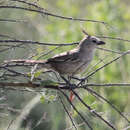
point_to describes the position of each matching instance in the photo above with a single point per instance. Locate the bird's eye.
(94, 41)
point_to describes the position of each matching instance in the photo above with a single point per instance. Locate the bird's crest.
(86, 33)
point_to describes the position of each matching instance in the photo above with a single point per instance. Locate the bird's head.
(94, 40)
(90, 41)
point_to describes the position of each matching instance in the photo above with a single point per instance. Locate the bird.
(71, 62)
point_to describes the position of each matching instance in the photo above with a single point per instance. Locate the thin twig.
(68, 113)
(11, 47)
(37, 43)
(7, 36)
(15, 72)
(57, 44)
(76, 110)
(101, 60)
(12, 20)
(10, 123)
(113, 38)
(114, 107)
(59, 85)
(30, 4)
(104, 49)
(47, 53)
(93, 111)
(105, 85)
(53, 15)
(110, 62)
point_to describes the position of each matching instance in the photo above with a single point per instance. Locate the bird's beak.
(101, 43)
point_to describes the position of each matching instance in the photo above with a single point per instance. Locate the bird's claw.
(83, 80)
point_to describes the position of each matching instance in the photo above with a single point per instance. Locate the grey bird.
(70, 62)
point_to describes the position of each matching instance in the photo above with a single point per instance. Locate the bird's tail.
(41, 63)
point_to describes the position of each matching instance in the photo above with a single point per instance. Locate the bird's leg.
(71, 97)
(83, 80)
(69, 78)
(67, 81)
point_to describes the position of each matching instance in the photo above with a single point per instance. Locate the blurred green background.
(45, 28)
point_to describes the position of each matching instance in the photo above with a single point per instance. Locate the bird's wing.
(64, 57)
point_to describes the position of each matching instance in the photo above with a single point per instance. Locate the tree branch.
(82, 117)
(12, 20)
(69, 115)
(93, 111)
(61, 85)
(113, 106)
(51, 14)
(110, 62)
(37, 43)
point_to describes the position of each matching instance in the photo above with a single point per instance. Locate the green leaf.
(37, 74)
(52, 97)
(42, 99)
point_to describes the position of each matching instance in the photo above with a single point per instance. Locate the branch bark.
(61, 85)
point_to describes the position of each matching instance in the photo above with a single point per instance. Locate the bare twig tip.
(85, 32)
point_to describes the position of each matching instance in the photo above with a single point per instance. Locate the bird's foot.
(83, 81)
